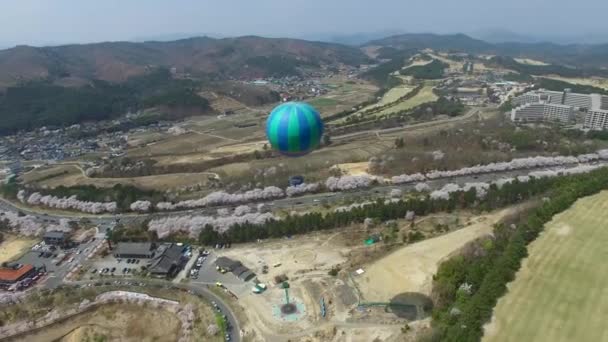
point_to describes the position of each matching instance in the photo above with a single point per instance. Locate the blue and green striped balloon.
(294, 128)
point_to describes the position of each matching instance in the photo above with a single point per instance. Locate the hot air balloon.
(294, 128)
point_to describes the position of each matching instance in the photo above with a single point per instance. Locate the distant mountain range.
(242, 57)
(506, 36)
(580, 55)
(252, 56)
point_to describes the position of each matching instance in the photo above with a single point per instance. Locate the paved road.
(105, 221)
(198, 290)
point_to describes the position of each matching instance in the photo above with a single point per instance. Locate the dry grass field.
(560, 292)
(191, 142)
(315, 165)
(343, 95)
(425, 95)
(14, 246)
(592, 81)
(74, 176)
(353, 169)
(411, 268)
(391, 96)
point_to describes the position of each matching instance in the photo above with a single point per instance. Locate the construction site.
(343, 286)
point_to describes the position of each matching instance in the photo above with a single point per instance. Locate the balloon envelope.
(294, 128)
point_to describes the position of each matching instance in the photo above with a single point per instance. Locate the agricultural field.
(191, 142)
(144, 138)
(48, 172)
(566, 271)
(425, 95)
(343, 95)
(74, 176)
(391, 96)
(314, 166)
(14, 246)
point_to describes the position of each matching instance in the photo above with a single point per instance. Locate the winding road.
(201, 291)
(138, 284)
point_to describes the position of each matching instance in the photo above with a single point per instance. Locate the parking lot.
(111, 266)
(208, 275)
(57, 261)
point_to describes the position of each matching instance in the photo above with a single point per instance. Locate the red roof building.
(10, 276)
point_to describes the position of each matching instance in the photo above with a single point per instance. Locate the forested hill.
(64, 85)
(241, 57)
(41, 103)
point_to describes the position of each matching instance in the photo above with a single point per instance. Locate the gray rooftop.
(133, 248)
(165, 260)
(54, 235)
(238, 270)
(247, 275)
(227, 263)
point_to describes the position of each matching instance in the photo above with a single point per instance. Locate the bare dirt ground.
(14, 246)
(307, 260)
(354, 169)
(316, 252)
(411, 268)
(116, 323)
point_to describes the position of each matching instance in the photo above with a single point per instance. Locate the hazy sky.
(38, 22)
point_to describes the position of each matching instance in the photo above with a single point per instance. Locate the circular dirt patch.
(410, 305)
(288, 309)
(304, 256)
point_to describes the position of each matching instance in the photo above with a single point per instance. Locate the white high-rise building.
(596, 119)
(558, 113)
(542, 111)
(555, 106)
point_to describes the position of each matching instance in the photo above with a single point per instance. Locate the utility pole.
(285, 286)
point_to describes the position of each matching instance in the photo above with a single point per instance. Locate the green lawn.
(323, 102)
(425, 95)
(560, 293)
